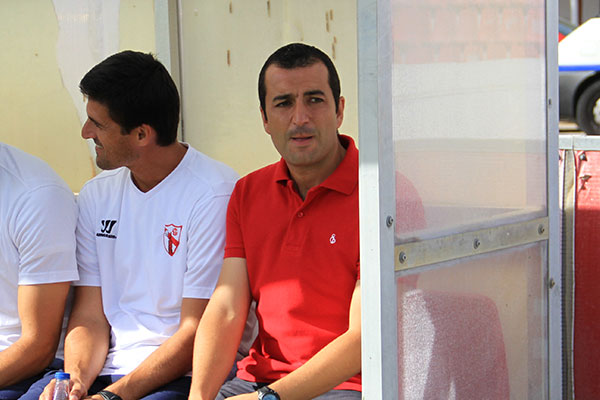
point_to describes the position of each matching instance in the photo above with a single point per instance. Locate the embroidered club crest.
(171, 237)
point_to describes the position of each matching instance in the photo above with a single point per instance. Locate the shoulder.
(207, 174)
(34, 197)
(260, 178)
(27, 171)
(108, 177)
(105, 181)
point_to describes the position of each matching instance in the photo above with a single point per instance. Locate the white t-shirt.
(149, 250)
(37, 232)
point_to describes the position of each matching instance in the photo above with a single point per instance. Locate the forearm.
(25, 358)
(220, 330)
(170, 361)
(41, 310)
(215, 351)
(334, 364)
(86, 348)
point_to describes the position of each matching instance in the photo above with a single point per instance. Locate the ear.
(265, 121)
(144, 135)
(340, 111)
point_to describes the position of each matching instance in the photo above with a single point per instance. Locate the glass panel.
(468, 114)
(475, 328)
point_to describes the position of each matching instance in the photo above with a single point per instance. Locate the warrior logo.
(106, 227)
(171, 237)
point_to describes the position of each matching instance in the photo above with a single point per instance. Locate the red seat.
(451, 346)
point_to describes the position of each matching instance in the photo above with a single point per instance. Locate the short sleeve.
(234, 244)
(205, 242)
(87, 258)
(44, 234)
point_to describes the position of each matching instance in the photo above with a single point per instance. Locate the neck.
(156, 164)
(307, 177)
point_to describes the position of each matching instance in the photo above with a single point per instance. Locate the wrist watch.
(106, 395)
(266, 393)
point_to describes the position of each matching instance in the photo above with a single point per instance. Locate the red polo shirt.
(303, 263)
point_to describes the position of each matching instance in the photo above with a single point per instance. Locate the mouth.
(301, 136)
(301, 139)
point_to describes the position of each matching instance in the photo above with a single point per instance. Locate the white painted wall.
(224, 45)
(47, 47)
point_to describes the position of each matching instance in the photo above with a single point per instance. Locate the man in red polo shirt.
(293, 247)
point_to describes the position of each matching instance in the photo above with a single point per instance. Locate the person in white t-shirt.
(38, 215)
(150, 238)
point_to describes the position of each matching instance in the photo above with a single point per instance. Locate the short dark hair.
(137, 89)
(297, 55)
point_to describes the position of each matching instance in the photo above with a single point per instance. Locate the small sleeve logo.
(171, 236)
(332, 239)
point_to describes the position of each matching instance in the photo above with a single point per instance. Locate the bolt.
(551, 283)
(583, 157)
(402, 257)
(476, 243)
(389, 221)
(541, 229)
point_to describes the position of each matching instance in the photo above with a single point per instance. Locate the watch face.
(266, 393)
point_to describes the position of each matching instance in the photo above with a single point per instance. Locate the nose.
(86, 130)
(301, 114)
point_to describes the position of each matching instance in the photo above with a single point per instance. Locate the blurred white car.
(579, 76)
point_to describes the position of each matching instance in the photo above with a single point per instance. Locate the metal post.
(554, 291)
(377, 202)
(166, 26)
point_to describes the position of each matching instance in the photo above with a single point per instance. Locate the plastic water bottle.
(61, 386)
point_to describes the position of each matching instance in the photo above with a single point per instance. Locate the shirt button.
(300, 214)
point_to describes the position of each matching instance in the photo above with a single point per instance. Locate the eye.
(96, 124)
(316, 100)
(284, 103)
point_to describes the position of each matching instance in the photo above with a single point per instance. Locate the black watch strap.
(106, 395)
(265, 390)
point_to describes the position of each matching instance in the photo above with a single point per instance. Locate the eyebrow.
(289, 96)
(282, 97)
(95, 122)
(313, 92)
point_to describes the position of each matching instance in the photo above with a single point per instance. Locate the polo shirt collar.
(345, 177)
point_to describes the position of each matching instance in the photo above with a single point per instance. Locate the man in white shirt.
(150, 238)
(37, 264)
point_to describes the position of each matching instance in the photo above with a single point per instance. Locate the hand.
(48, 392)
(76, 390)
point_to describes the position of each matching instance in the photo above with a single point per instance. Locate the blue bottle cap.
(62, 375)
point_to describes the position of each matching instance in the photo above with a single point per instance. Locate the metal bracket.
(574, 142)
(452, 247)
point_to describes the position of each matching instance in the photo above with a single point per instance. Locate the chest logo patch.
(171, 237)
(106, 228)
(332, 239)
